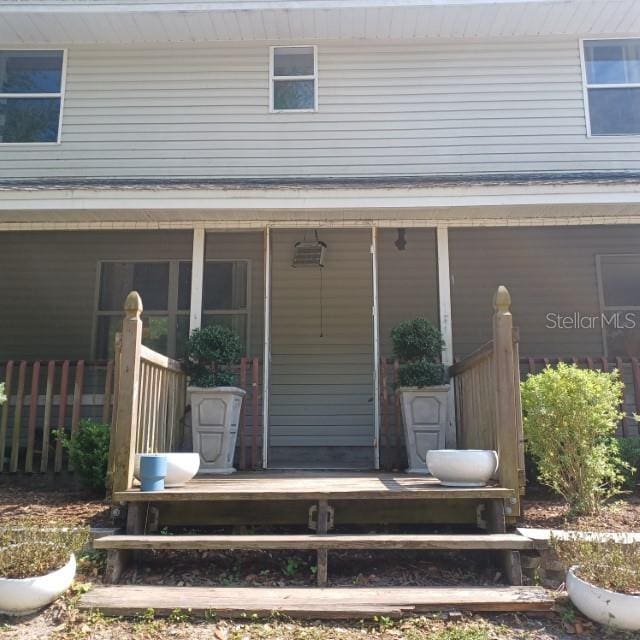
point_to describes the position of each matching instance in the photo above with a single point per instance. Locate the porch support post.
(266, 356)
(444, 301)
(376, 347)
(197, 279)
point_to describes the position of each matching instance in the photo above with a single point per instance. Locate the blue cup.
(153, 471)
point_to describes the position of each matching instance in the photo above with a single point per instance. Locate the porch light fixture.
(401, 242)
(309, 254)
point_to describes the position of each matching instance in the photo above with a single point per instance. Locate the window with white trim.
(165, 289)
(294, 78)
(31, 88)
(618, 277)
(612, 86)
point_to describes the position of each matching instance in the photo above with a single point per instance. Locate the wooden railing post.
(506, 401)
(126, 416)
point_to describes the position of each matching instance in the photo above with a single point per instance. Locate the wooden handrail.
(487, 395)
(126, 414)
(149, 401)
(153, 357)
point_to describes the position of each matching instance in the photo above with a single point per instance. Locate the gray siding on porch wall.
(407, 280)
(547, 270)
(48, 285)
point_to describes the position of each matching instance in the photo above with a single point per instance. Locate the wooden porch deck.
(313, 486)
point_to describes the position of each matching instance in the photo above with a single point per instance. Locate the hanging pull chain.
(321, 304)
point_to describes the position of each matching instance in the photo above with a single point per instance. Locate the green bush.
(3, 397)
(418, 344)
(211, 351)
(629, 451)
(570, 420)
(89, 453)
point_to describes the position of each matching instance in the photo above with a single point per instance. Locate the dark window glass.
(613, 61)
(293, 94)
(225, 286)
(29, 119)
(149, 279)
(154, 334)
(293, 61)
(184, 286)
(30, 71)
(621, 280)
(614, 111)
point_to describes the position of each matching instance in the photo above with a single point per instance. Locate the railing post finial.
(502, 299)
(133, 305)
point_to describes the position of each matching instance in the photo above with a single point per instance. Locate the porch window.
(294, 79)
(225, 295)
(31, 89)
(618, 277)
(165, 288)
(612, 86)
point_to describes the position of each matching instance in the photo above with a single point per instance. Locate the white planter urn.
(617, 610)
(463, 467)
(215, 416)
(425, 414)
(23, 596)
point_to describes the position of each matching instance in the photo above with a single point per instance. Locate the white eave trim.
(306, 199)
(109, 6)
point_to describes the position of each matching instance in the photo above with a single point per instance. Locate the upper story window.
(31, 88)
(612, 86)
(294, 78)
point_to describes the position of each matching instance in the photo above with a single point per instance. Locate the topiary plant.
(89, 453)
(418, 344)
(570, 421)
(211, 351)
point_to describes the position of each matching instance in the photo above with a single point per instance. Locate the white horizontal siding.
(384, 109)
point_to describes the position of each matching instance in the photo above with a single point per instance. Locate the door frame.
(266, 375)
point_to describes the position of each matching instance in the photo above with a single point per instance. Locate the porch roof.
(329, 182)
(121, 21)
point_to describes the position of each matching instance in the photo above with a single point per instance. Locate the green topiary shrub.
(211, 351)
(629, 451)
(570, 419)
(89, 453)
(418, 345)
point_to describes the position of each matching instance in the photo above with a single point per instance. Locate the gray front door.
(321, 405)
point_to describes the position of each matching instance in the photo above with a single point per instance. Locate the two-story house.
(437, 148)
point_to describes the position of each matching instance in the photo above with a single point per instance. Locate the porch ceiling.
(141, 21)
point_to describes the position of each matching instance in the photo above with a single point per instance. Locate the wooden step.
(337, 602)
(496, 541)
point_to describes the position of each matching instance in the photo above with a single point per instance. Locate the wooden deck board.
(312, 541)
(331, 603)
(312, 486)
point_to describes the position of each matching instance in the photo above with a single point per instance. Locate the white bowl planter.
(181, 467)
(215, 415)
(617, 610)
(425, 416)
(22, 596)
(462, 467)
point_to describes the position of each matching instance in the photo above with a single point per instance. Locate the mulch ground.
(56, 505)
(541, 509)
